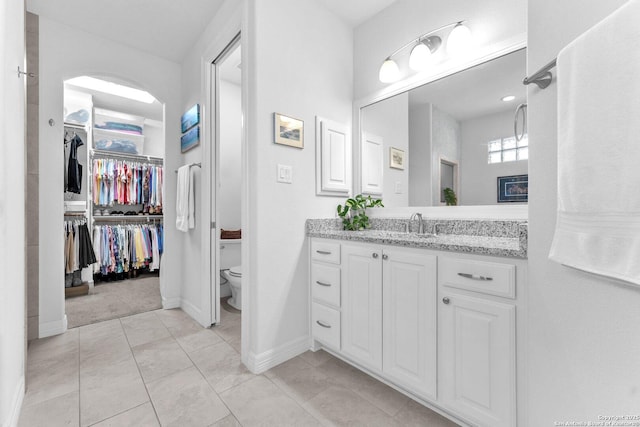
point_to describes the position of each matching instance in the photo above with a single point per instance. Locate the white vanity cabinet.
(477, 340)
(389, 313)
(439, 325)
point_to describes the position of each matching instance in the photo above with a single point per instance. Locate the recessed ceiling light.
(508, 98)
(112, 88)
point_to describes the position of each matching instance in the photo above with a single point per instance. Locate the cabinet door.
(410, 320)
(362, 304)
(477, 359)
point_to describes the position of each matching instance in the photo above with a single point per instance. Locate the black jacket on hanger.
(74, 172)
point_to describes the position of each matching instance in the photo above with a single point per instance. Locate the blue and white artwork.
(190, 139)
(190, 118)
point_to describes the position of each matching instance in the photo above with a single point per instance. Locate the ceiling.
(355, 12)
(477, 91)
(165, 28)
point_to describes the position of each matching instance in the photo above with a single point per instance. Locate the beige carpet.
(111, 300)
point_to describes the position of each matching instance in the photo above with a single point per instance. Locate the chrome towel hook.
(521, 108)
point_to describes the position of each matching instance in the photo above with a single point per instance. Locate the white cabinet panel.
(362, 304)
(326, 325)
(477, 359)
(333, 153)
(325, 251)
(479, 276)
(410, 320)
(372, 164)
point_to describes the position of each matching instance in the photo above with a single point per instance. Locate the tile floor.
(161, 368)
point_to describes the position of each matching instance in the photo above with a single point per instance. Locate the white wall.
(12, 211)
(420, 158)
(446, 139)
(583, 347)
(478, 178)
(389, 119)
(196, 258)
(99, 57)
(492, 22)
(230, 176)
(311, 74)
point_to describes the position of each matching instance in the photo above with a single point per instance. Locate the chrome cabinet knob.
(385, 256)
(445, 300)
(375, 255)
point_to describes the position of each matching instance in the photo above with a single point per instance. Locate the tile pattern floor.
(112, 300)
(162, 369)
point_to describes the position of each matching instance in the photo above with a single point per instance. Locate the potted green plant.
(354, 212)
(450, 197)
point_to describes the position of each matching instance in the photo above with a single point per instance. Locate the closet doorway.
(113, 199)
(227, 192)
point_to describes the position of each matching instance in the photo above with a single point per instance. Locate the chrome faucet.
(435, 228)
(418, 215)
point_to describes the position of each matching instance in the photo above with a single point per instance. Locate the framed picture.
(190, 139)
(288, 131)
(513, 188)
(190, 118)
(396, 158)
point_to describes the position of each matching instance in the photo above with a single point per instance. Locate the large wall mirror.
(456, 132)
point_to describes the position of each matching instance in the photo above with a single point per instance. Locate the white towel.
(185, 200)
(598, 222)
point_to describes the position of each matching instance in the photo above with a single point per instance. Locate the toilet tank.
(230, 253)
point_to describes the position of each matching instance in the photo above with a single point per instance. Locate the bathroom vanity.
(439, 318)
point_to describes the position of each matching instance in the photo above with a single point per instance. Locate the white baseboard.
(169, 303)
(258, 363)
(193, 311)
(48, 329)
(16, 404)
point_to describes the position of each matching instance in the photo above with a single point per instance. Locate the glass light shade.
(389, 71)
(459, 40)
(420, 56)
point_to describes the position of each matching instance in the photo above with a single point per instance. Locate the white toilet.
(231, 267)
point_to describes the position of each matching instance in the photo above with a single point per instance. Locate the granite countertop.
(495, 242)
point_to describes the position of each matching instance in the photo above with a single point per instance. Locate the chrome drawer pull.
(474, 277)
(322, 283)
(324, 252)
(324, 325)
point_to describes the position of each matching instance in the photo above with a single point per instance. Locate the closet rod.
(74, 214)
(75, 126)
(542, 78)
(127, 218)
(191, 165)
(136, 157)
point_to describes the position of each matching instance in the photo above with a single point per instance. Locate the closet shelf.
(110, 133)
(117, 155)
(121, 218)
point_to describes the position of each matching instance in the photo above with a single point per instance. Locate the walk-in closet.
(113, 200)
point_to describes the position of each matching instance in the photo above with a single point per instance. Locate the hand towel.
(185, 203)
(598, 220)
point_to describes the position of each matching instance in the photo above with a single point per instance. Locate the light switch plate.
(285, 174)
(399, 187)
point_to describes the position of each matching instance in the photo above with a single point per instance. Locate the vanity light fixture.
(508, 98)
(423, 49)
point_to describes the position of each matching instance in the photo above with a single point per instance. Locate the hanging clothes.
(122, 248)
(78, 251)
(74, 168)
(127, 182)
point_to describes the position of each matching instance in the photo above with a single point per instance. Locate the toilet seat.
(236, 271)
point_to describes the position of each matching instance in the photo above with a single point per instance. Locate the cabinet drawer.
(325, 284)
(325, 324)
(325, 251)
(478, 276)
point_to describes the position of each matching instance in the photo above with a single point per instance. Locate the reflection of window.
(508, 149)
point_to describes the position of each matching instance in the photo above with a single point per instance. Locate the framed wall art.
(513, 188)
(190, 139)
(288, 131)
(396, 158)
(190, 118)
